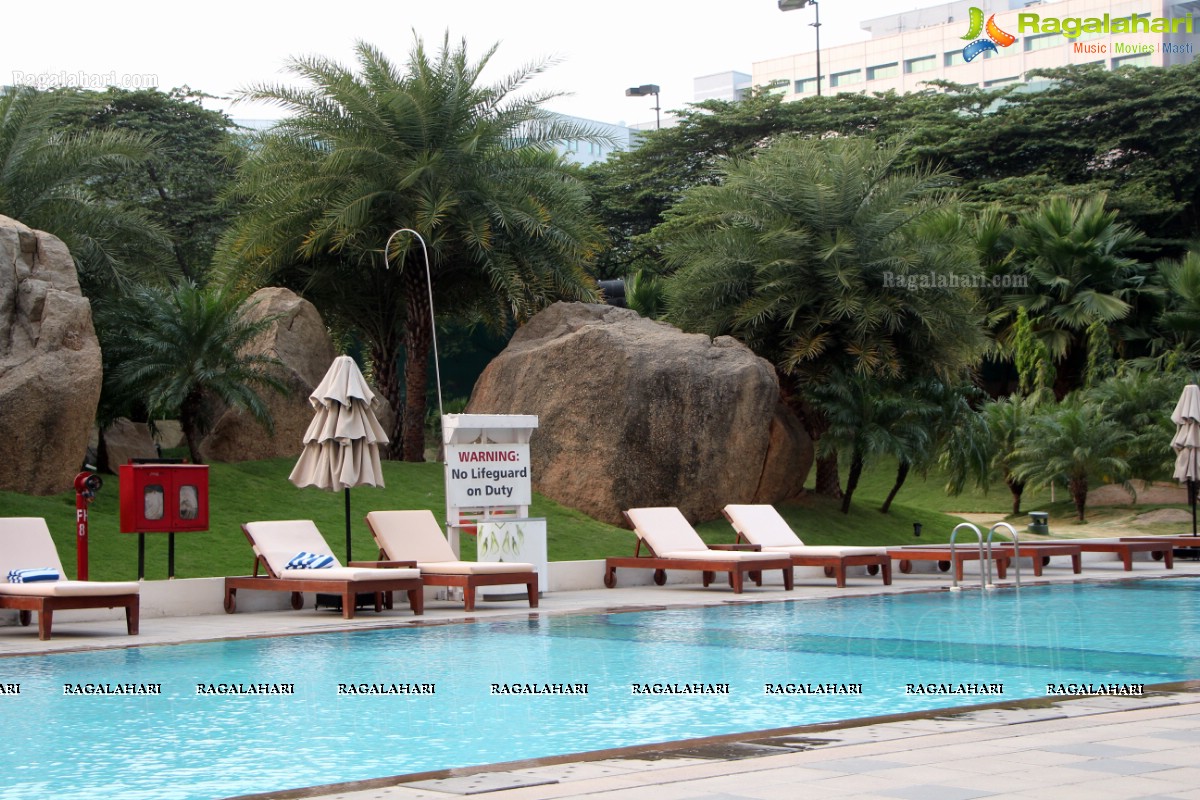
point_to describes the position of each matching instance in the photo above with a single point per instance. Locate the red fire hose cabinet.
(164, 498)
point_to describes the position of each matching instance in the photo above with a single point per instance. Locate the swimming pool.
(649, 677)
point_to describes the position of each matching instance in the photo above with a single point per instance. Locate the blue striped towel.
(304, 560)
(33, 575)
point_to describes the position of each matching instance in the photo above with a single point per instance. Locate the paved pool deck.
(1093, 747)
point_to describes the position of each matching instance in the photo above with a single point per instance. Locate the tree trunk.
(901, 476)
(856, 468)
(1079, 490)
(1017, 488)
(189, 422)
(384, 356)
(417, 343)
(829, 483)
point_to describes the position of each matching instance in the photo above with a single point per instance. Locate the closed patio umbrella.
(1187, 442)
(341, 445)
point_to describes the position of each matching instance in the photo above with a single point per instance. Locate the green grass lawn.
(260, 490)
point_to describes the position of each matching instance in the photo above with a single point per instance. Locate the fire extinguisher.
(86, 486)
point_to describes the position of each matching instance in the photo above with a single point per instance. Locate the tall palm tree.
(868, 418)
(173, 350)
(828, 259)
(1077, 258)
(1072, 442)
(44, 183)
(981, 449)
(427, 147)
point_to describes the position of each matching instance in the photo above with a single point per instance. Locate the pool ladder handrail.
(984, 563)
(1016, 543)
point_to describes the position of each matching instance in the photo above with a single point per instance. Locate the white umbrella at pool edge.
(341, 445)
(1187, 442)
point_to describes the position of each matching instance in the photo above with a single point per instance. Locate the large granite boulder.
(126, 440)
(50, 369)
(634, 412)
(300, 340)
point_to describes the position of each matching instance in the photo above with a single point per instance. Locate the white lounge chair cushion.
(473, 567)
(415, 535)
(70, 588)
(25, 542)
(827, 550)
(762, 525)
(722, 555)
(278, 541)
(349, 574)
(667, 531)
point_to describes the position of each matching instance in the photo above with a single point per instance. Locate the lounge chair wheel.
(230, 603)
(944, 566)
(24, 617)
(1045, 561)
(905, 566)
(610, 578)
(297, 600)
(660, 577)
(829, 572)
(1157, 555)
(872, 569)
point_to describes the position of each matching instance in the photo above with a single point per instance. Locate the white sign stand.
(488, 482)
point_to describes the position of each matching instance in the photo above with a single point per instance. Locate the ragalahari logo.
(982, 44)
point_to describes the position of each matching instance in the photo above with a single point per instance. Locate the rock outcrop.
(299, 339)
(125, 440)
(634, 412)
(50, 368)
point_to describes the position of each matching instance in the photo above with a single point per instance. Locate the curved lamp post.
(437, 371)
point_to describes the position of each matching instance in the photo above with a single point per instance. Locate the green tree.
(180, 185)
(1140, 403)
(174, 349)
(982, 448)
(824, 257)
(47, 181)
(868, 418)
(1073, 443)
(470, 167)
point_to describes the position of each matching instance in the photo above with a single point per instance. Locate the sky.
(599, 48)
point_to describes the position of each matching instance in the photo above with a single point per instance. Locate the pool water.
(181, 744)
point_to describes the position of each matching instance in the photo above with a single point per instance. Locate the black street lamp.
(645, 90)
(795, 5)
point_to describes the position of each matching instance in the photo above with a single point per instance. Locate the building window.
(1137, 60)
(1000, 81)
(883, 71)
(1043, 41)
(922, 64)
(954, 58)
(806, 86)
(846, 78)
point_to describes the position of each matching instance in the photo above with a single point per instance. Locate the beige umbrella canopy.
(341, 445)
(1187, 442)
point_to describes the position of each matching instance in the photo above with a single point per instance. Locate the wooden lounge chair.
(672, 543)
(764, 526)
(416, 536)
(25, 543)
(1125, 548)
(277, 542)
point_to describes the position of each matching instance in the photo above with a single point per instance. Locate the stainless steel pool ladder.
(1016, 551)
(985, 564)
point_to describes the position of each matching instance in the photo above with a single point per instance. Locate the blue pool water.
(184, 745)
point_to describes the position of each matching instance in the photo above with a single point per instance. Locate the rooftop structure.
(909, 49)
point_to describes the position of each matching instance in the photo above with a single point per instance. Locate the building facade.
(908, 49)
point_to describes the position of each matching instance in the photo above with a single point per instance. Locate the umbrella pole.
(1192, 497)
(348, 557)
